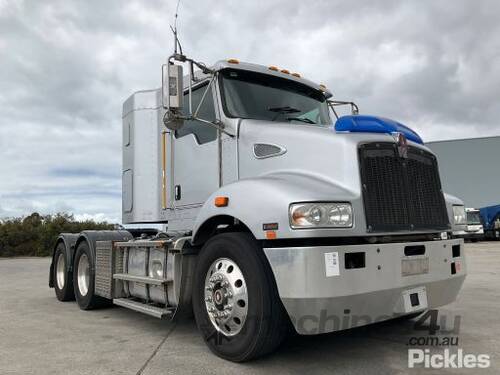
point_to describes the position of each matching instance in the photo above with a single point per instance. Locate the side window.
(203, 132)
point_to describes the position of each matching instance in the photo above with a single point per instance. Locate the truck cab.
(474, 228)
(279, 212)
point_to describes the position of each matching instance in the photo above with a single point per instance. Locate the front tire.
(235, 299)
(63, 279)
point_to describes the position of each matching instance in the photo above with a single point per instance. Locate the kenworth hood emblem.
(402, 143)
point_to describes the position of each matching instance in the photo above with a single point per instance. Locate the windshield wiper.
(282, 111)
(306, 120)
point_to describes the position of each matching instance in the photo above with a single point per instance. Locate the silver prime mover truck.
(281, 216)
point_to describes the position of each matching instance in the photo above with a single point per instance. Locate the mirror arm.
(215, 124)
(333, 103)
(209, 86)
(333, 109)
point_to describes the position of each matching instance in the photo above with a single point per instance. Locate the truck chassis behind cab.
(276, 218)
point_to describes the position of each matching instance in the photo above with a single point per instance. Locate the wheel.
(235, 299)
(63, 280)
(84, 279)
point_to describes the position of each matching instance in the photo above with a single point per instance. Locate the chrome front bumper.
(321, 295)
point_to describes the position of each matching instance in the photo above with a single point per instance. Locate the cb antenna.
(174, 30)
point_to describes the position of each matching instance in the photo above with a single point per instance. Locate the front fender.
(266, 199)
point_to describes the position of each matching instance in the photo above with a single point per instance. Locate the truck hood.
(309, 163)
(320, 152)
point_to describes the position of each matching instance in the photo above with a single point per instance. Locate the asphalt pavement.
(40, 335)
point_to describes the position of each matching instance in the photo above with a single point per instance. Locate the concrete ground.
(39, 335)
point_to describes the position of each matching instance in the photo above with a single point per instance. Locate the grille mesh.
(265, 150)
(401, 193)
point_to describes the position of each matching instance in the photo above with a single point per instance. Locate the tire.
(84, 279)
(263, 324)
(63, 279)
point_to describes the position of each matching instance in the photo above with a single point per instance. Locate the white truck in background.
(277, 215)
(473, 230)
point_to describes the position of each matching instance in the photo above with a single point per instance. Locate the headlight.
(321, 215)
(459, 215)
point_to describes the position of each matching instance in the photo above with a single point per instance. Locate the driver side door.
(196, 153)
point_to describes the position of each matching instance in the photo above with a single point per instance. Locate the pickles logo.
(447, 359)
(451, 356)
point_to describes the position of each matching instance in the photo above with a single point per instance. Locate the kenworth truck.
(281, 215)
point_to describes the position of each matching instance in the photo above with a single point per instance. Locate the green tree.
(35, 235)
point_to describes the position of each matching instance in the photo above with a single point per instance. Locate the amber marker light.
(273, 68)
(271, 235)
(221, 201)
(233, 61)
(285, 71)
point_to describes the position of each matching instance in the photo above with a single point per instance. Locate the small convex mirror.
(172, 120)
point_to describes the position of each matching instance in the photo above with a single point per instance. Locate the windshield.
(265, 97)
(473, 218)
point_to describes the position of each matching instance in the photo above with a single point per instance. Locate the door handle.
(177, 192)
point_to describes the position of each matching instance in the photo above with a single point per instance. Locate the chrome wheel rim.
(83, 275)
(60, 270)
(226, 296)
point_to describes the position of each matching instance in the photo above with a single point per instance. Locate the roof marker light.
(272, 67)
(233, 61)
(296, 75)
(285, 71)
(322, 87)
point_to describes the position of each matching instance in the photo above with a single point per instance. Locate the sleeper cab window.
(203, 133)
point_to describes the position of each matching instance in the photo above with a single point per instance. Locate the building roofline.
(463, 139)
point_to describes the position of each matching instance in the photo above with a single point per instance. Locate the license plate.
(414, 266)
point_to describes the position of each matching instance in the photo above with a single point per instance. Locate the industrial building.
(469, 169)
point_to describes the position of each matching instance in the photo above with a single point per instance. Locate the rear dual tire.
(63, 279)
(84, 279)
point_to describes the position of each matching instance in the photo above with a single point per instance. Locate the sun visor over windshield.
(373, 124)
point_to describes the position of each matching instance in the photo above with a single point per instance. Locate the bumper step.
(157, 312)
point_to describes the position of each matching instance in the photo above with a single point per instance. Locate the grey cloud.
(66, 68)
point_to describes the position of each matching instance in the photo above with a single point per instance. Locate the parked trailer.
(490, 217)
(276, 219)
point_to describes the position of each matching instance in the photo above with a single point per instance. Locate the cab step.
(157, 312)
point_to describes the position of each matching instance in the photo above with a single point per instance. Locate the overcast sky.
(67, 66)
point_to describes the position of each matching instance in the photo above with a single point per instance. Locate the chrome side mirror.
(172, 95)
